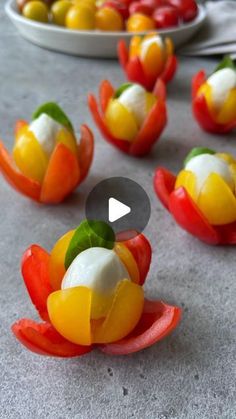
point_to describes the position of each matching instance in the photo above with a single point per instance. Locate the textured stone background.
(190, 374)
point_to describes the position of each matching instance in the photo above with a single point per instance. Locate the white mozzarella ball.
(45, 130)
(134, 99)
(222, 82)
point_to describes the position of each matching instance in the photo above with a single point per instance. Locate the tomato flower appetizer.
(148, 59)
(131, 118)
(89, 292)
(47, 163)
(214, 99)
(202, 198)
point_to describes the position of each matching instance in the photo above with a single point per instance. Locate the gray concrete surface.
(189, 375)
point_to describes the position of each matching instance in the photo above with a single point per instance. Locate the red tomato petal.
(205, 120)
(164, 182)
(151, 130)
(21, 183)
(99, 121)
(62, 175)
(35, 271)
(85, 151)
(190, 218)
(157, 321)
(43, 339)
(227, 233)
(141, 250)
(19, 124)
(106, 92)
(159, 89)
(197, 81)
(123, 54)
(135, 73)
(170, 69)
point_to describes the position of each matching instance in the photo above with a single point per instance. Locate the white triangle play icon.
(117, 209)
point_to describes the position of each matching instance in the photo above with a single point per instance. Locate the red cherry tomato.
(139, 7)
(166, 17)
(188, 9)
(152, 3)
(119, 6)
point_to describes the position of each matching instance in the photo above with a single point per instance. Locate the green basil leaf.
(89, 234)
(55, 112)
(121, 89)
(196, 152)
(227, 62)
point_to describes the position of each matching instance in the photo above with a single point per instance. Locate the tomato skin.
(109, 19)
(120, 7)
(188, 9)
(166, 17)
(139, 22)
(140, 7)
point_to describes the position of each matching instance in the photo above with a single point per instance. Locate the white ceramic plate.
(89, 43)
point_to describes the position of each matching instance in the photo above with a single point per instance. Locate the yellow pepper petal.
(134, 46)
(187, 179)
(67, 138)
(227, 112)
(69, 312)
(124, 314)
(57, 259)
(169, 47)
(120, 121)
(29, 156)
(154, 60)
(216, 201)
(128, 260)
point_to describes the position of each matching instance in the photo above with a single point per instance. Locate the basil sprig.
(196, 152)
(90, 233)
(55, 112)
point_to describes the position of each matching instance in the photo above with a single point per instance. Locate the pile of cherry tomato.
(110, 15)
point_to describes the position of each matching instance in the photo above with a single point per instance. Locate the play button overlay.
(117, 210)
(121, 203)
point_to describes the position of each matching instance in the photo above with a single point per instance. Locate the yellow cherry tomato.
(154, 59)
(227, 112)
(67, 138)
(187, 180)
(57, 268)
(29, 156)
(128, 260)
(69, 311)
(59, 11)
(139, 23)
(120, 121)
(108, 19)
(150, 101)
(90, 3)
(36, 10)
(80, 17)
(134, 46)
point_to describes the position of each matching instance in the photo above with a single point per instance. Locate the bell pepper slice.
(129, 261)
(217, 201)
(106, 92)
(135, 72)
(159, 89)
(70, 312)
(43, 339)
(85, 151)
(35, 271)
(123, 53)
(158, 320)
(197, 82)
(187, 179)
(164, 183)
(170, 69)
(57, 268)
(29, 156)
(99, 120)
(141, 250)
(21, 183)
(150, 130)
(62, 175)
(189, 217)
(227, 233)
(124, 314)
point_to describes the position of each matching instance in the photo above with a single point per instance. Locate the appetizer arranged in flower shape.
(214, 99)
(131, 118)
(148, 59)
(47, 163)
(202, 197)
(89, 292)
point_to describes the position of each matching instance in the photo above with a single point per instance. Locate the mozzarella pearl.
(45, 130)
(221, 83)
(134, 99)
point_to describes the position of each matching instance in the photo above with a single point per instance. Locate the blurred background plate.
(89, 43)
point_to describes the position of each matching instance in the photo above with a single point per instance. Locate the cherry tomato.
(36, 10)
(188, 9)
(140, 23)
(166, 17)
(139, 7)
(108, 19)
(22, 3)
(119, 7)
(80, 17)
(59, 11)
